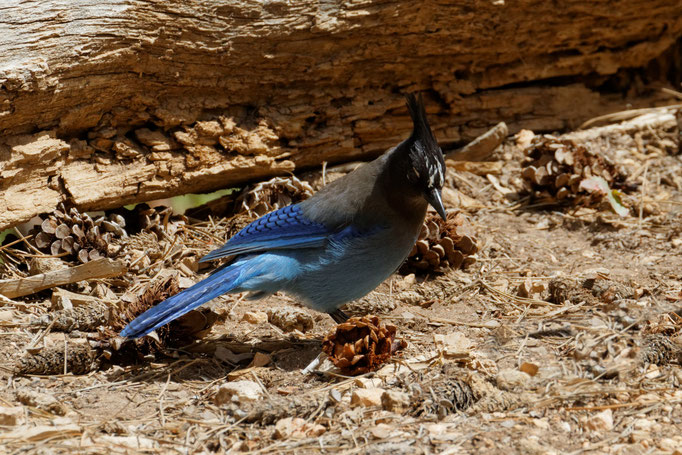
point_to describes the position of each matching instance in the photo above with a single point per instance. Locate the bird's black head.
(426, 166)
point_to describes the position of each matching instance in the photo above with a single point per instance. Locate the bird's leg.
(339, 316)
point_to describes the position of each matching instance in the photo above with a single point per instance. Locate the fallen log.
(109, 103)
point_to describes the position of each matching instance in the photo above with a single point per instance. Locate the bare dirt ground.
(561, 337)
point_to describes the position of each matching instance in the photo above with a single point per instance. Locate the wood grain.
(107, 103)
(99, 268)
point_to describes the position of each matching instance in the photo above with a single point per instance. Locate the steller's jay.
(334, 247)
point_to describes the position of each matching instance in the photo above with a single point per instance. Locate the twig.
(32, 344)
(625, 115)
(672, 92)
(99, 268)
(255, 376)
(483, 146)
(642, 194)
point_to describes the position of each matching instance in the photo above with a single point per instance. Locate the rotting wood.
(99, 268)
(153, 99)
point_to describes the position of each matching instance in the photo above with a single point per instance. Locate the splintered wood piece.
(483, 146)
(100, 268)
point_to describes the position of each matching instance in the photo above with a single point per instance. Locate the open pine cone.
(360, 345)
(553, 169)
(274, 194)
(442, 245)
(77, 234)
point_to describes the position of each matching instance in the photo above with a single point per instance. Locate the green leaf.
(599, 185)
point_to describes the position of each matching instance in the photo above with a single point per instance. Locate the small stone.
(511, 379)
(367, 383)
(602, 421)
(284, 428)
(395, 401)
(453, 344)
(367, 397)
(492, 324)
(12, 415)
(296, 428)
(289, 319)
(255, 317)
(238, 392)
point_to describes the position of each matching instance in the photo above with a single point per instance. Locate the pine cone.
(76, 235)
(442, 245)
(443, 397)
(660, 350)
(553, 169)
(274, 194)
(154, 219)
(361, 344)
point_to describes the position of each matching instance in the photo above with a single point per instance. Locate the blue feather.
(281, 229)
(332, 248)
(182, 302)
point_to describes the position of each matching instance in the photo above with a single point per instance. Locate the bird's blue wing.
(287, 227)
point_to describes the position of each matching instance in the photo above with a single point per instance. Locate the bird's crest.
(426, 156)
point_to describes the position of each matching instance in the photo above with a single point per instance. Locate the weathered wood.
(483, 146)
(663, 118)
(99, 268)
(132, 100)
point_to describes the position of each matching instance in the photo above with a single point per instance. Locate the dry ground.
(587, 363)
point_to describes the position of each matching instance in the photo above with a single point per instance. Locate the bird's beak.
(433, 198)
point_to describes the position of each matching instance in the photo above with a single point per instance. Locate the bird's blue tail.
(219, 283)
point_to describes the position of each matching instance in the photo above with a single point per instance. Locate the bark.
(108, 103)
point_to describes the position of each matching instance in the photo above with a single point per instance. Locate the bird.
(332, 248)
